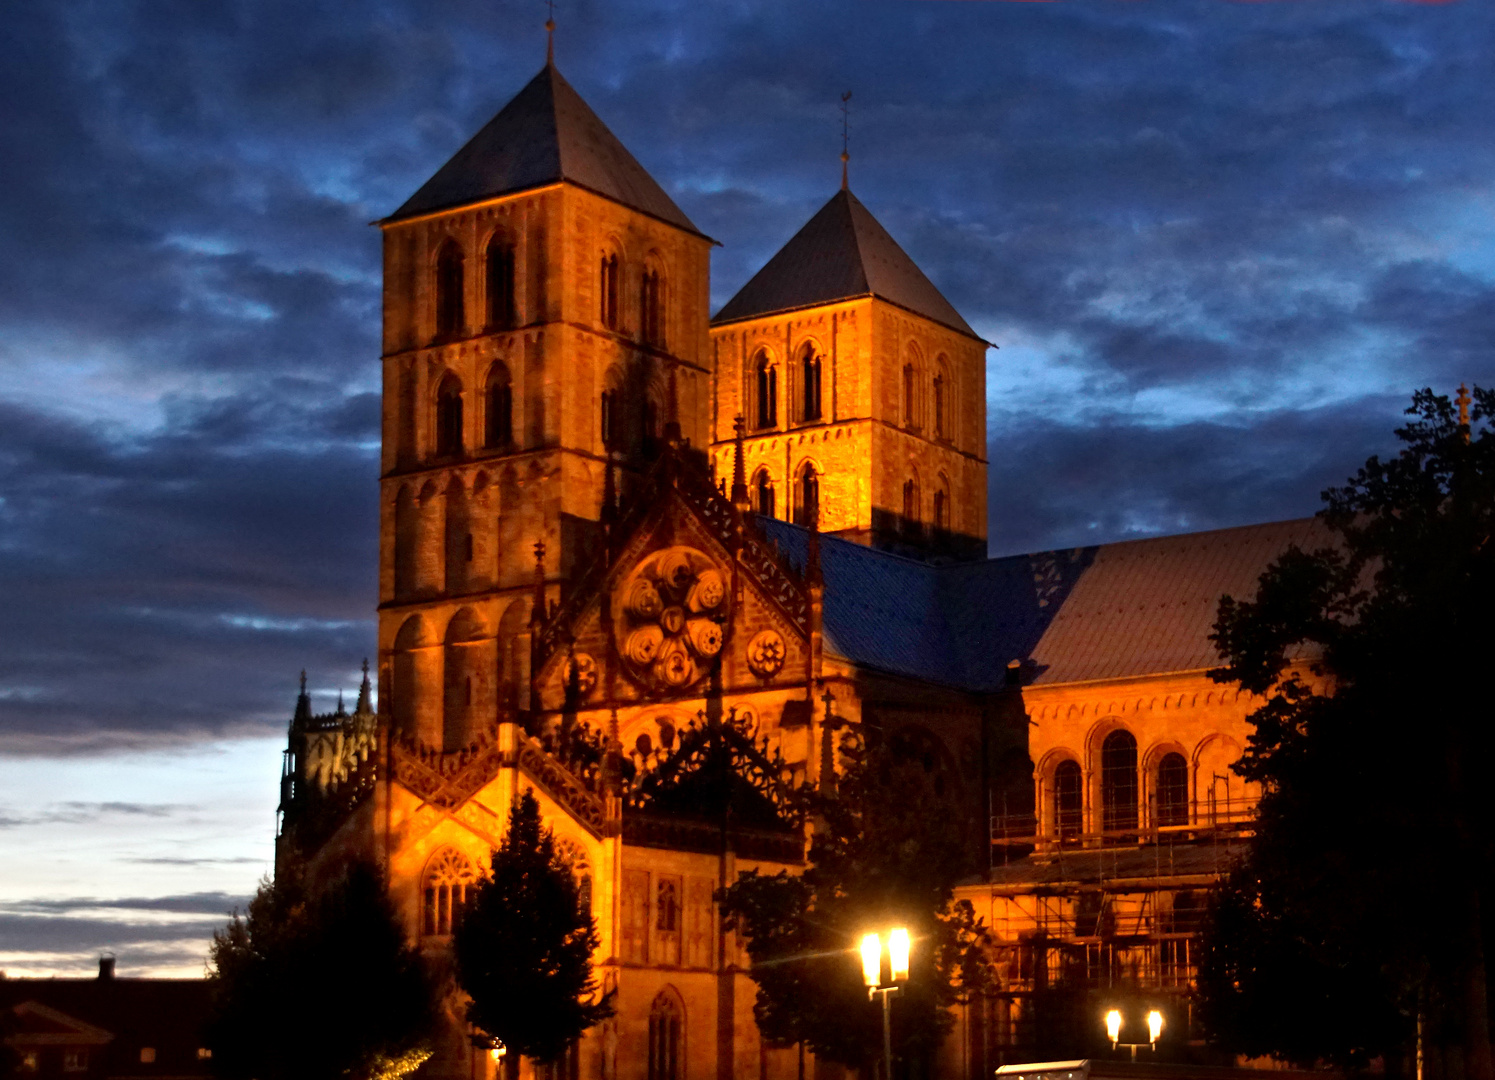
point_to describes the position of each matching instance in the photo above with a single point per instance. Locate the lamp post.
(872, 949)
(1154, 1030)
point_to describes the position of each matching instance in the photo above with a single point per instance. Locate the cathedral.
(617, 528)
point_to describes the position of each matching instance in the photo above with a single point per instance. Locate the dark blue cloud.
(1219, 244)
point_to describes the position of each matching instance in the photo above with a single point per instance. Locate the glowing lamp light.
(1113, 1025)
(898, 954)
(872, 959)
(497, 1052)
(1154, 1025)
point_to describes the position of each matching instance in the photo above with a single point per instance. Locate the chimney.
(106, 967)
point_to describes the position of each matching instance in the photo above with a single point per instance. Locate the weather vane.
(550, 32)
(845, 135)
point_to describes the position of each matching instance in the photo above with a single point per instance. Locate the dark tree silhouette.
(318, 984)
(888, 847)
(524, 946)
(1363, 903)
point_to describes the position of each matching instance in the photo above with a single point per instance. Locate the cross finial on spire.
(1462, 401)
(845, 136)
(550, 32)
(303, 680)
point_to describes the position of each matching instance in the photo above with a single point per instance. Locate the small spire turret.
(739, 467)
(365, 692)
(303, 705)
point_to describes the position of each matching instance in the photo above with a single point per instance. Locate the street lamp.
(1154, 1031)
(898, 945)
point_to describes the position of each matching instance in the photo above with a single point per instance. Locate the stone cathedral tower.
(545, 307)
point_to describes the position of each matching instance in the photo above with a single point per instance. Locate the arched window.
(809, 377)
(807, 497)
(666, 1034)
(608, 291)
(609, 418)
(449, 415)
(763, 493)
(768, 391)
(911, 503)
(939, 405)
(1173, 790)
(651, 308)
(500, 401)
(909, 386)
(1118, 781)
(446, 889)
(1069, 800)
(941, 509)
(500, 285)
(450, 315)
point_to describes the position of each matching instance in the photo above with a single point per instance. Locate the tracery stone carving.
(671, 620)
(582, 667)
(766, 653)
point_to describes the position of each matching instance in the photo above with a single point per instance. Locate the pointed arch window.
(768, 391)
(1069, 800)
(1118, 782)
(450, 314)
(448, 884)
(763, 493)
(911, 503)
(939, 405)
(609, 419)
(1173, 790)
(910, 384)
(499, 428)
(809, 376)
(608, 291)
(941, 509)
(807, 500)
(666, 1035)
(651, 308)
(449, 415)
(501, 308)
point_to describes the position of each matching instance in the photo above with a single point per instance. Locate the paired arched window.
(449, 415)
(763, 493)
(499, 427)
(807, 497)
(666, 1038)
(501, 308)
(450, 313)
(1069, 800)
(607, 290)
(767, 377)
(809, 384)
(941, 425)
(448, 883)
(1118, 781)
(1173, 790)
(651, 307)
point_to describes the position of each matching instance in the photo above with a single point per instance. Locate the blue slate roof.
(1139, 607)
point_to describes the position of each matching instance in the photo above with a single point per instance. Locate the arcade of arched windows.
(491, 278)
(447, 537)
(445, 690)
(1114, 793)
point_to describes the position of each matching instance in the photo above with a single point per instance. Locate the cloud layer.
(1218, 244)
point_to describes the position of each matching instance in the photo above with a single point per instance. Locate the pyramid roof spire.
(546, 134)
(842, 253)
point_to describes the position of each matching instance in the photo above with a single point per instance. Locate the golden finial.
(845, 136)
(1462, 401)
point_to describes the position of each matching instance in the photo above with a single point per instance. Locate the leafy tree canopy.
(318, 983)
(1363, 899)
(887, 849)
(524, 946)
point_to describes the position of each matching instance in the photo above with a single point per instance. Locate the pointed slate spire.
(546, 134)
(842, 253)
(302, 716)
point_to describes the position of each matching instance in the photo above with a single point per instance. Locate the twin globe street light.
(1154, 1030)
(872, 953)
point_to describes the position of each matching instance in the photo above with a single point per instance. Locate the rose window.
(672, 615)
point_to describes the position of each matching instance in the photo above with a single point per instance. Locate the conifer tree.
(524, 946)
(318, 984)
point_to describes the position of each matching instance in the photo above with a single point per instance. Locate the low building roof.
(1110, 611)
(842, 253)
(546, 134)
